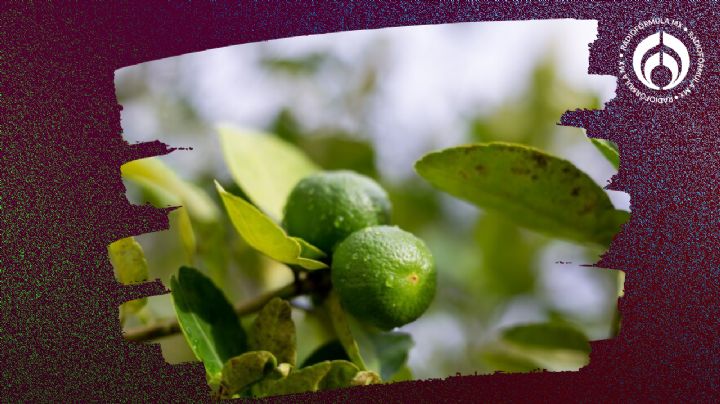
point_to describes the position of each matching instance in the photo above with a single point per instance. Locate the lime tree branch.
(304, 283)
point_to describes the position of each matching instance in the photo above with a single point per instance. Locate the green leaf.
(321, 376)
(342, 329)
(330, 149)
(273, 330)
(265, 167)
(341, 374)
(331, 350)
(365, 378)
(308, 250)
(392, 350)
(368, 347)
(340, 152)
(208, 321)
(609, 150)
(152, 173)
(299, 381)
(242, 371)
(536, 190)
(128, 260)
(187, 234)
(402, 375)
(508, 256)
(263, 234)
(507, 362)
(554, 346)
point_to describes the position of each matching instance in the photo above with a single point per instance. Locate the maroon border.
(63, 202)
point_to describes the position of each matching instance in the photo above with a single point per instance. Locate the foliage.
(266, 236)
(492, 257)
(609, 150)
(265, 167)
(273, 330)
(535, 189)
(207, 320)
(262, 360)
(552, 346)
(128, 259)
(519, 184)
(155, 176)
(259, 363)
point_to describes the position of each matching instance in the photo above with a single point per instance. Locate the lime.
(326, 207)
(384, 276)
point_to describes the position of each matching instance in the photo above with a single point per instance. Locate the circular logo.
(661, 60)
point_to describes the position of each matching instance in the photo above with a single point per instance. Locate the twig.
(169, 327)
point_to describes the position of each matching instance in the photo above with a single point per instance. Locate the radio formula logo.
(661, 60)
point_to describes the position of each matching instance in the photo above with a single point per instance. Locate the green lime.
(384, 276)
(325, 208)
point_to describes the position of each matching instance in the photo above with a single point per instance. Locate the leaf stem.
(342, 330)
(164, 328)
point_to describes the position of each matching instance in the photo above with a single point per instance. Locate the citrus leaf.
(342, 329)
(553, 346)
(128, 260)
(505, 271)
(152, 173)
(207, 320)
(340, 374)
(299, 381)
(187, 234)
(263, 234)
(264, 166)
(340, 152)
(242, 371)
(273, 330)
(609, 150)
(536, 190)
(392, 349)
(383, 352)
(365, 378)
(308, 250)
(507, 362)
(321, 376)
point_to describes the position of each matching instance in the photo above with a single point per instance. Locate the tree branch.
(164, 328)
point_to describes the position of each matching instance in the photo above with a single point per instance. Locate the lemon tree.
(364, 277)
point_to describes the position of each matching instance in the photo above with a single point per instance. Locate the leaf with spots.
(242, 371)
(534, 189)
(273, 330)
(321, 376)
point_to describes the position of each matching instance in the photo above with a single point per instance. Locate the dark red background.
(62, 200)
